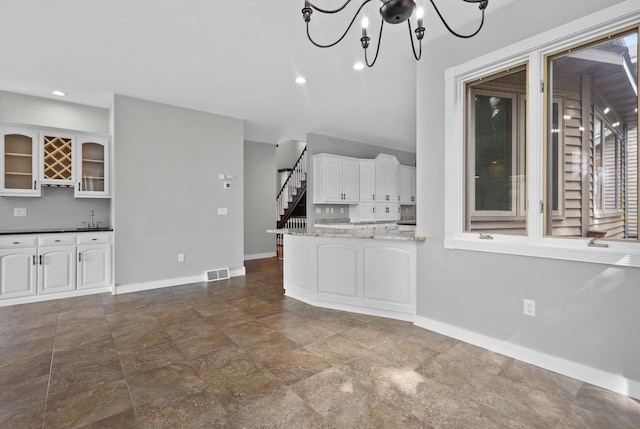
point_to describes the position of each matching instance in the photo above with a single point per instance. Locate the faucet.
(92, 224)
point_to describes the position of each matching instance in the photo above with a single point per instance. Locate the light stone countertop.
(375, 234)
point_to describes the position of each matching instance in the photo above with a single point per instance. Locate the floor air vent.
(217, 274)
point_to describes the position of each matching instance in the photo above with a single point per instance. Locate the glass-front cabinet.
(19, 162)
(92, 167)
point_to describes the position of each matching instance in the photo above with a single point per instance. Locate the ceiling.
(236, 58)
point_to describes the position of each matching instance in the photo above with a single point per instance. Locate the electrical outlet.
(326, 210)
(318, 210)
(19, 211)
(331, 210)
(341, 210)
(180, 257)
(223, 211)
(529, 307)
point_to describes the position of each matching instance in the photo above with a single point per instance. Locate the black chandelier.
(392, 12)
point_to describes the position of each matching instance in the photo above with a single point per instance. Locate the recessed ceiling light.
(59, 93)
(300, 80)
(606, 110)
(358, 66)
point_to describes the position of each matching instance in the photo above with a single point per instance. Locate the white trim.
(52, 296)
(532, 51)
(260, 256)
(597, 377)
(238, 272)
(177, 281)
(350, 308)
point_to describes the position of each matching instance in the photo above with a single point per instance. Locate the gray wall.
(26, 109)
(167, 191)
(587, 313)
(259, 197)
(323, 144)
(287, 153)
(57, 208)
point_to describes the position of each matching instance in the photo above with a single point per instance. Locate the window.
(541, 144)
(495, 150)
(599, 83)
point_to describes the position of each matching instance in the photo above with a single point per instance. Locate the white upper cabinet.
(19, 162)
(57, 153)
(407, 182)
(367, 180)
(92, 167)
(387, 178)
(31, 157)
(336, 179)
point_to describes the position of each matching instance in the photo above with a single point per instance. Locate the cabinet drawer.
(94, 238)
(57, 240)
(13, 241)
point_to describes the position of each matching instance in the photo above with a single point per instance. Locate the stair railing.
(294, 181)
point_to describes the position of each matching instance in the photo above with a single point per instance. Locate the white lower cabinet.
(18, 272)
(48, 265)
(94, 266)
(56, 269)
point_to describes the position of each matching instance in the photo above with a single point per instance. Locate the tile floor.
(238, 353)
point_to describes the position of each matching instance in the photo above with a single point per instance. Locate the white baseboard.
(177, 281)
(350, 308)
(51, 296)
(606, 380)
(260, 256)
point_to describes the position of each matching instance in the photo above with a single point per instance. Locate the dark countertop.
(54, 231)
(406, 222)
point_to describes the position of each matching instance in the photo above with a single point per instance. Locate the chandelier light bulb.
(365, 23)
(420, 13)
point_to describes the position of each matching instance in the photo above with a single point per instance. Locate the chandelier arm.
(366, 60)
(462, 36)
(413, 46)
(327, 10)
(343, 35)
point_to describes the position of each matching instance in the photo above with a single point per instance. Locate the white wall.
(324, 144)
(587, 313)
(260, 177)
(57, 208)
(167, 191)
(287, 153)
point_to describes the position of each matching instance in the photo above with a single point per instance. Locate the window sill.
(578, 250)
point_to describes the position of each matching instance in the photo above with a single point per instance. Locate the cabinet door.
(17, 272)
(57, 153)
(393, 212)
(351, 180)
(94, 266)
(407, 181)
(56, 269)
(380, 212)
(332, 179)
(367, 181)
(391, 183)
(92, 161)
(19, 163)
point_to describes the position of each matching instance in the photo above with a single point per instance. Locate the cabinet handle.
(94, 239)
(398, 197)
(79, 257)
(79, 187)
(16, 242)
(57, 241)
(34, 259)
(40, 259)
(34, 185)
(373, 197)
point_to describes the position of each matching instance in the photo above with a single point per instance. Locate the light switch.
(19, 211)
(227, 185)
(223, 211)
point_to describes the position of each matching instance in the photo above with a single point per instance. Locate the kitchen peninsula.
(368, 271)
